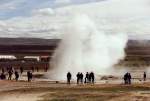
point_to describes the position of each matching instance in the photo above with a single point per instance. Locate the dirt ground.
(50, 91)
(41, 89)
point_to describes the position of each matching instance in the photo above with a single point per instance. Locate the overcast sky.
(45, 18)
(13, 8)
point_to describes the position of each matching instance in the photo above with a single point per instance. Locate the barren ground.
(42, 90)
(48, 91)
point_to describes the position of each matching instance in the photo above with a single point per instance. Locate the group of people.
(89, 78)
(11, 71)
(127, 78)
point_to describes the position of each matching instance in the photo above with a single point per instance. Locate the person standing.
(32, 68)
(144, 76)
(3, 76)
(81, 78)
(87, 77)
(46, 68)
(92, 77)
(129, 78)
(69, 77)
(78, 77)
(16, 75)
(21, 70)
(126, 78)
(10, 72)
(3, 70)
(29, 75)
(37, 69)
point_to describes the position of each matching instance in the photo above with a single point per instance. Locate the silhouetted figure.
(32, 68)
(29, 75)
(92, 77)
(16, 75)
(7, 69)
(10, 72)
(78, 77)
(144, 76)
(46, 68)
(126, 78)
(37, 69)
(21, 70)
(3, 70)
(3, 76)
(81, 78)
(129, 78)
(69, 77)
(87, 78)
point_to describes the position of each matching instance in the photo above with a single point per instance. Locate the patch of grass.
(83, 93)
(90, 93)
(78, 96)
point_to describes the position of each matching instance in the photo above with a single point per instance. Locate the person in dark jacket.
(92, 77)
(126, 78)
(3, 70)
(129, 78)
(16, 75)
(78, 77)
(29, 75)
(87, 78)
(21, 70)
(144, 76)
(10, 73)
(69, 77)
(32, 68)
(3, 76)
(81, 78)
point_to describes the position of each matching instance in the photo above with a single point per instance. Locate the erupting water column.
(84, 49)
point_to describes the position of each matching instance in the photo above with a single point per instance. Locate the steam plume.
(84, 49)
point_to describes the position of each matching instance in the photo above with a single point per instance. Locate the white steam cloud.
(96, 42)
(90, 43)
(84, 49)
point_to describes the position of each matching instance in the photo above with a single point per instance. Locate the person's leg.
(28, 79)
(67, 80)
(125, 81)
(93, 80)
(77, 80)
(85, 80)
(130, 81)
(10, 77)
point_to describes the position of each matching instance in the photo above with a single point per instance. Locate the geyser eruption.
(84, 49)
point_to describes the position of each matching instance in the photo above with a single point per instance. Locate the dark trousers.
(68, 80)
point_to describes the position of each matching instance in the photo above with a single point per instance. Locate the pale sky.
(13, 8)
(46, 18)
